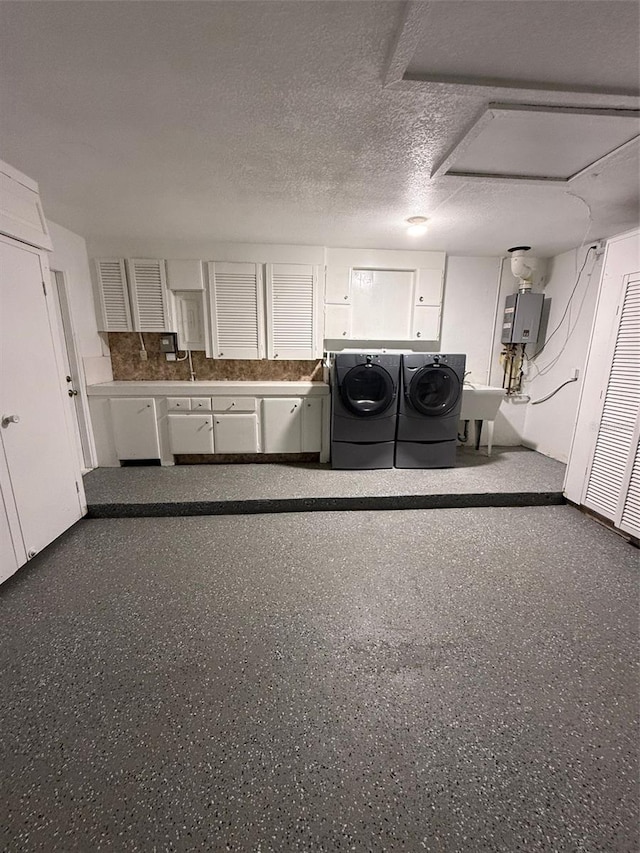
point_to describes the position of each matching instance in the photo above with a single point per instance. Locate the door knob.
(10, 419)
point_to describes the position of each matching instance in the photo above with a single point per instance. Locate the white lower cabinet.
(191, 433)
(236, 433)
(135, 428)
(161, 427)
(312, 425)
(282, 425)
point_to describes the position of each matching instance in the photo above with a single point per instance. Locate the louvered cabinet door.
(237, 316)
(616, 444)
(149, 303)
(114, 310)
(292, 311)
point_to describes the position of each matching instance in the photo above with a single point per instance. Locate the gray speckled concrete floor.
(509, 469)
(449, 680)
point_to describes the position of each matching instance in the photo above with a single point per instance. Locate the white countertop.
(204, 388)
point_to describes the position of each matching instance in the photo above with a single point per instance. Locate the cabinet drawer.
(190, 433)
(234, 404)
(178, 404)
(201, 404)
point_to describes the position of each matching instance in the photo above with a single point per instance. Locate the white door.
(45, 479)
(190, 433)
(292, 311)
(282, 425)
(312, 425)
(236, 433)
(8, 558)
(237, 315)
(76, 414)
(135, 427)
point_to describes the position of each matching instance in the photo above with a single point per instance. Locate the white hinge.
(77, 487)
(44, 287)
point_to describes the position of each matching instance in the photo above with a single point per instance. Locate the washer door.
(434, 391)
(367, 390)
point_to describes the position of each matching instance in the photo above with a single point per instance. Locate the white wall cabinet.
(191, 433)
(337, 321)
(135, 428)
(112, 296)
(383, 295)
(132, 296)
(237, 314)
(21, 214)
(293, 311)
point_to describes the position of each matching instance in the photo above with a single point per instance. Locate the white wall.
(209, 250)
(548, 426)
(70, 257)
(468, 312)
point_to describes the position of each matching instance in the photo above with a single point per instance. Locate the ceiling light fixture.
(417, 226)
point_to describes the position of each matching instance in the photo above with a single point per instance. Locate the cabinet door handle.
(10, 419)
(421, 299)
(418, 334)
(72, 392)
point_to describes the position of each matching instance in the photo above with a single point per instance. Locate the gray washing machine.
(364, 404)
(429, 410)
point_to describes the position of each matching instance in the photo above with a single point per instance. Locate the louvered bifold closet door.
(149, 303)
(292, 314)
(630, 519)
(616, 444)
(114, 296)
(237, 315)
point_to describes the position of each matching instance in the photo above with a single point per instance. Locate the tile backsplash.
(127, 364)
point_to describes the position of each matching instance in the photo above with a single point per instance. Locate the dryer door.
(434, 391)
(367, 390)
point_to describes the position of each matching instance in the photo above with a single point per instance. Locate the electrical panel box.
(168, 343)
(522, 314)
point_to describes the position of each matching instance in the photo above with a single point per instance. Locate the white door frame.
(82, 420)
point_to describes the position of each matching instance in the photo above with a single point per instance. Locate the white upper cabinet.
(237, 315)
(149, 303)
(114, 313)
(383, 295)
(21, 215)
(132, 296)
(292, 311)
(184, 275)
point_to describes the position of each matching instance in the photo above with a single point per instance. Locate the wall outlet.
(575, 372)
(170, 356)
(144, 355)
(600, 247)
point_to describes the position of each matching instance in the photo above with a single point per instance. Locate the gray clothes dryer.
(364, 403)
(429, 410)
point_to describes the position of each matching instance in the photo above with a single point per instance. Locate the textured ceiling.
(151, 124)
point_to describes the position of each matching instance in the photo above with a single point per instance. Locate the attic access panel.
(544, 144)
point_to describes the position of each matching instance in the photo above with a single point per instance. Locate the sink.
(481, 402)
